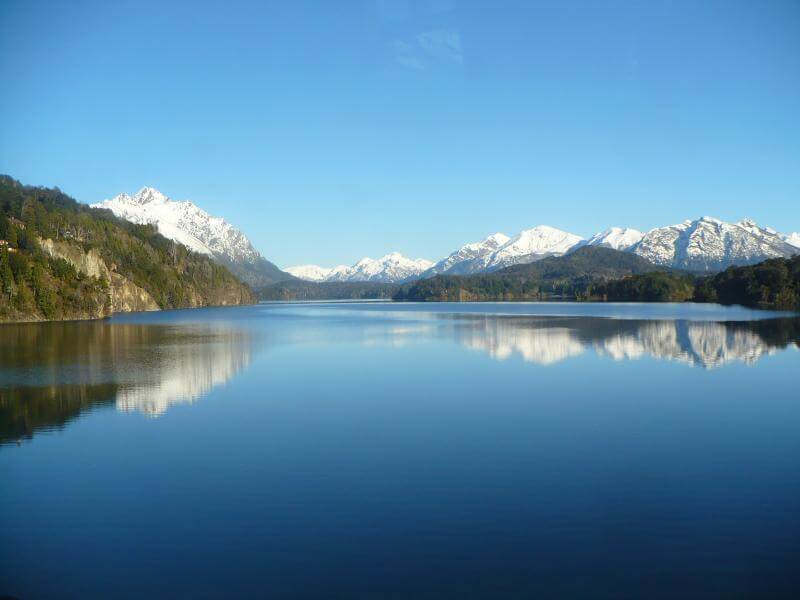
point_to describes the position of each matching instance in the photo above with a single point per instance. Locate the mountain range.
(708, 244)
(188, 224)
(392, 268)
(702, 245)
(571, 275)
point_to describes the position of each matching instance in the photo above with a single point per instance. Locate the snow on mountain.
(531, 245)
(458, 262)
(183, 222)
(499, 251)
(309, 272)
(188, 224)
(703, 244)
(793, 239)
(711, 244)
(392, 268)
(618, 238)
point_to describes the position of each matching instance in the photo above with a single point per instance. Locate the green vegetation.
(774, 283)
(36, 285)
(573, 276)
(256, 275)
(298, 289)
(602, 274)
(657, 286)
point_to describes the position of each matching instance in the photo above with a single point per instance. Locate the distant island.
(60, 259)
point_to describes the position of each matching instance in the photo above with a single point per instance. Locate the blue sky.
(332, 130)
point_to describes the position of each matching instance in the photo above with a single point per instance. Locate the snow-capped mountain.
(708, 244)
(703, 244)
(392, 268)
(499, 251)
(458, 262)
(183, 222)
(618, 238)
(532, 244)
(309, 272)
(188, 224)
(793, 239)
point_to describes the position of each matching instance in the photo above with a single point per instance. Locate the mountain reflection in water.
(51, 373)
(360, 450)
(548, 340)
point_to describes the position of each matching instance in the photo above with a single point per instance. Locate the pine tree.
(11, 236)
(6, 276)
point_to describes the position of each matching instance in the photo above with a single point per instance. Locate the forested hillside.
(328, 290)
(603, 274)
(774, 283)
(60, 259)
(657, 286)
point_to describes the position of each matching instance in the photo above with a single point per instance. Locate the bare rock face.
(88, 263)
(124, 295)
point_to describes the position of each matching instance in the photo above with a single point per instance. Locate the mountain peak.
(618, 238)
(188, 224)
(390, 268)
(498, 251)
(711, 244)
(309, 272)
(469, 256)
(793, 239)
(148, 195)
(531, 244)
(541, 229)
(185, 223)
(499, 238)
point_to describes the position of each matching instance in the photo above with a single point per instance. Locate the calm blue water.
(402, 451)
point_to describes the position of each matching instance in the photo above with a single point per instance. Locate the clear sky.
(328, 131)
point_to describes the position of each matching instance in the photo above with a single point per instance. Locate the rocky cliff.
(124, 295)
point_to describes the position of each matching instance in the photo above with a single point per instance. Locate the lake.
(376, 450)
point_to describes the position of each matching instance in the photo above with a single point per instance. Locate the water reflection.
(354, 445)
(188, 366)
(27, 409)
(549, 340)
(52, 373)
